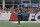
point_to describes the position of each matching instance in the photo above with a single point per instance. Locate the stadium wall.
(14, 17)
(8, 17)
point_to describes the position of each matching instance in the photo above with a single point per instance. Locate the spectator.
(20, 16)
(18, 8)
(8, 10)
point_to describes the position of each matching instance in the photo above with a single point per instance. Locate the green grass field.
(26, 24)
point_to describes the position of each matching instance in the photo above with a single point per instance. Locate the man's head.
(18, 5)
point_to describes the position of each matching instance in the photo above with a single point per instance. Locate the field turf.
(26, 24)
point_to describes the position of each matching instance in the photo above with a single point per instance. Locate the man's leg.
(18, 21)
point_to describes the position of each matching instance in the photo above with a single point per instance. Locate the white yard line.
(27, 22)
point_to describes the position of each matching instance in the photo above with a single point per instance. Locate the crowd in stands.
(25, 11)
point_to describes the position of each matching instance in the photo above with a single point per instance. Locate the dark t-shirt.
(19, 14)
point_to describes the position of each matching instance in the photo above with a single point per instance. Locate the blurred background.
(12, 4)
(25, 6)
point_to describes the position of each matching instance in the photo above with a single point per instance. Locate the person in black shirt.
(19, 17)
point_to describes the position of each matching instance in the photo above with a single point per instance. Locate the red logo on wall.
(13, 17)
